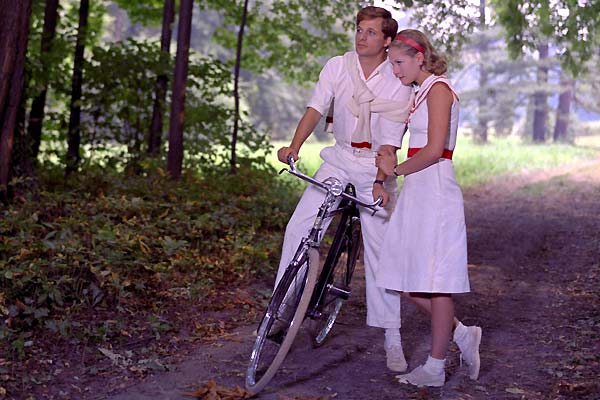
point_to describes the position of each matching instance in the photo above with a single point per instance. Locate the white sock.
(434, 366)
(392, 337)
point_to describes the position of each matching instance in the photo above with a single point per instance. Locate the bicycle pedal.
(341, 292)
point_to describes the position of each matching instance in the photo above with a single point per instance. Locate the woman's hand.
(379, 191)
(386, 162)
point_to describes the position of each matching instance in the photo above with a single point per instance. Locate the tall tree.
(74, 134)
(14, 33)
(177, 118)
(36, 115)
(156, 126)
(22, 164)
(236, 94)
(481, 135)
(563, 110)
(540, 97)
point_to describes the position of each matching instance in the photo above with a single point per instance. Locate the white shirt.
(335, 82)
(419, 120)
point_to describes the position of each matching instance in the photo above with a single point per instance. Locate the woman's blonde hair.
(412, 41)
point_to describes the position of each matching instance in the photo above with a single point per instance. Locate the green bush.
(102, 239)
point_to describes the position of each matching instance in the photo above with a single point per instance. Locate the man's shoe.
(421, 377)
(395, 358)
(468, 344)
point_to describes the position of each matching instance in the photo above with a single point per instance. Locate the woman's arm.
(439, 103)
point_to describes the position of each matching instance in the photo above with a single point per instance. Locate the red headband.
(410, 42)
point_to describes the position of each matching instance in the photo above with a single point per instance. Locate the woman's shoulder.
(439, 85)
(443, 89)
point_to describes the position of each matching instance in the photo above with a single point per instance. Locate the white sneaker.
(469, 350)
(395, 358)
(420, 377)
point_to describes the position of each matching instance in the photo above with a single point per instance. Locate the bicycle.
(300, 294)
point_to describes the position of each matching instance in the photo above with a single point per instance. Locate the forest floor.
(534, 265)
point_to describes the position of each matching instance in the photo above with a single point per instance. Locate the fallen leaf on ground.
(212, 391)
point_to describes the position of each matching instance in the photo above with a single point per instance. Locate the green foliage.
(117, 106)
(105, 241)
(288, 36)
(120, 79)
(448, 25)
(587, 86)
(572, 26)
(210, 117)
(54, 69)
(59, 61)
(147, 12)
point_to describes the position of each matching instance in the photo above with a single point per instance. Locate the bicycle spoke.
(281, 322)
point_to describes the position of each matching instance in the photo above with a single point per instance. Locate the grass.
(478, 164)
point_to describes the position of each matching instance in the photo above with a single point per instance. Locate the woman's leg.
(442, 317)
(423, 303)
(468, 338)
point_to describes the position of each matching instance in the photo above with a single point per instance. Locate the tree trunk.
(481, 134)
(161, 81)
(175, 156)
(503, 125)
(563, 110)
(14, 33)
(236, 93)
(22, 164)
(540, 98)
(36, 115)
(74, 134)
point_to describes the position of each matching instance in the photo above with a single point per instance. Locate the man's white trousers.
(383, 307)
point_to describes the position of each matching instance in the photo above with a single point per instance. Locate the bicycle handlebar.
(328, 187)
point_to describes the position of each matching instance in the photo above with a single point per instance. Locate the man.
(370, 107)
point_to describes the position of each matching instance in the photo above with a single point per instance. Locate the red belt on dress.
(361, 145)
(445, 154)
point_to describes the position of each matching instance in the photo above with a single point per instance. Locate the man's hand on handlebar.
(284, 152)
(379, 191)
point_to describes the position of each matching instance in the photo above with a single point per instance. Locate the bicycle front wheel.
(337, 273)
(282, 320)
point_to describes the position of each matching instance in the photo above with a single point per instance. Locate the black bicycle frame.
(349, 211)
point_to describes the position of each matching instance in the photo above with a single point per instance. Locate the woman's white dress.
(425, 247)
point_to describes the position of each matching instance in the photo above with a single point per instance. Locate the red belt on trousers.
(446, 153)
(361, 145)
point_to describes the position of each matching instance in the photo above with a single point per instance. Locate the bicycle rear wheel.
(282, 320)
(337, 273)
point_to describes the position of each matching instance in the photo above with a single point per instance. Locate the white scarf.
(364, 102)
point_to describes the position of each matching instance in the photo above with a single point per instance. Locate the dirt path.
(534, 254)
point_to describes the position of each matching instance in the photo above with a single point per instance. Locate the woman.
(424, 252)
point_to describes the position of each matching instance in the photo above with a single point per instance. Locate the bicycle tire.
(344, 250)
(257, 378)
